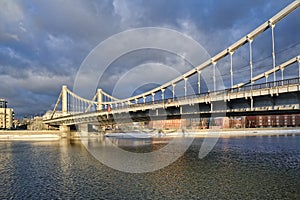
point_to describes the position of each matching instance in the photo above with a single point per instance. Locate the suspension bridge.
(256, 95)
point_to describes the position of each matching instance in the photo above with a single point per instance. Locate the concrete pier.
(65, 131)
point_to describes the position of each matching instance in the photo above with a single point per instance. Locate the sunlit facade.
(6, 115)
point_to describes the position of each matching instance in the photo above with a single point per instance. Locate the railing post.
(64, 100)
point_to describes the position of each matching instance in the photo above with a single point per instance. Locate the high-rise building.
(6, 115)
(3, 103)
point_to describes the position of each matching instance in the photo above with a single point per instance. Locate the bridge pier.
(83, 127)
(83, 130)
(65, 131)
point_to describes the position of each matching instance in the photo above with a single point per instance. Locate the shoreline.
(29, 135)
(53, 135)
(219, 133)
(247, 132)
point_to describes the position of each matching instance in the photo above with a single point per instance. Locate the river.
(236, 168)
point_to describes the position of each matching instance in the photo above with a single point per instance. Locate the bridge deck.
(248, 93)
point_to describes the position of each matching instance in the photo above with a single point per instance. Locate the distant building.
(3, 103)
(48, 114)
(6, 115)
(168, 124)
(37, 124)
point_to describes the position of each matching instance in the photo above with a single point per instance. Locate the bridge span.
(280, 97)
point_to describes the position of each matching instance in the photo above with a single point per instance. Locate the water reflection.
(139, 145)
(237, 168)
(7, 178)
(137, 155)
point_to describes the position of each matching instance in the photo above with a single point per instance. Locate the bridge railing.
(167, 101)
(267, 85)
(270, 84)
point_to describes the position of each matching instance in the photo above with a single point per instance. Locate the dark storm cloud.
(43, 43)
(217, 23)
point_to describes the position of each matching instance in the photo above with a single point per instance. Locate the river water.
(236, 168)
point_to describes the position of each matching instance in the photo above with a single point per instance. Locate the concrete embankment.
(244, 132)
(29, 135)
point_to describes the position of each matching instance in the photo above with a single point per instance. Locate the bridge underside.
(286, 103)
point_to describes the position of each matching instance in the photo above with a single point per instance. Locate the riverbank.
(29, 135)
(214, 133)
(242, 132)
(47, 135)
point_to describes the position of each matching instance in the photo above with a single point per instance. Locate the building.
(37, 124)
(3, 103)
(48, 114)
(6, 115)
(189, 123)
(168, 124)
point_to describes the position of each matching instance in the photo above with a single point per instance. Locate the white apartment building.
(6, 115)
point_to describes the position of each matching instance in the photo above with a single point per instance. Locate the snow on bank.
(211, 133)
(29, 135)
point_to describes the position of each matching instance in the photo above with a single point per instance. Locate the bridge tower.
(99, 99)
(64, 108)
(64, 100)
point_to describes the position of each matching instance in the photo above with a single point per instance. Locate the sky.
(44, 43)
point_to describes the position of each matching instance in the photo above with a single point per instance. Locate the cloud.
(32, 93)
(130, 12)
(11, 11)
(43, 43)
